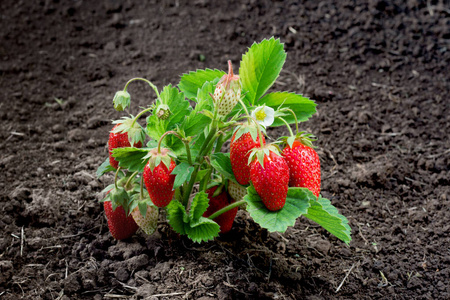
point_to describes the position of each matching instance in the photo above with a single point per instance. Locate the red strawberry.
(239, 154)
(304, 167)
(118, 140)
(226, 219)
(227, 92)
(271, 181)
(120, 225)
(158, 180)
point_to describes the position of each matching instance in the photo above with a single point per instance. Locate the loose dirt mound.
(379, 72)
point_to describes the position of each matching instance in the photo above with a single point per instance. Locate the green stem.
(226, 208)
(188, 152)
(164, 135)
(287, 125)
(145, 80)
(129, 179)
(140, 114)
(142, 187)
(115, 177)
(245, 108)
(204, 181)
(199, 161)
(259, 132)
(295, 117)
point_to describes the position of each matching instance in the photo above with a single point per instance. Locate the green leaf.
(190, 83)
(222, 163)
(104, 168)
(179, 108)
(260, 67)
(131, 158)
(196, 121)
(199, 205)
(297, 203)
(176, 214)
(183, 173)
(326, 215)
(302, 106)
(203, 230)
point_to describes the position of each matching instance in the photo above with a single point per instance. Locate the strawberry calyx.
(248, 128)
(262, 154)
(155, 157)
(136, 134)
(302, 137)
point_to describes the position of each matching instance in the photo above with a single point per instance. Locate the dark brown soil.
(379, 72)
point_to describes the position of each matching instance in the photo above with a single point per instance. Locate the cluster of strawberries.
(159, 183)
(272, 173)
(252, 161)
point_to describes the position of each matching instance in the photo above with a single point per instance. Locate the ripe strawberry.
(226, 219)
(239, 154)
(227, 92)
(304, 166)
(118, 140)
(148, 223)
(120, 225)
(271, 181)
(158, 180)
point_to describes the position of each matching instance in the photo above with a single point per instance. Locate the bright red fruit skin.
(159, 183)
(304, 167)
(225, 220)
(120, 226)
(239, 154)
(118, 140)
(271, 182)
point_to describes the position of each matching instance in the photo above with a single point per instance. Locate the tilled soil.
(379, 72)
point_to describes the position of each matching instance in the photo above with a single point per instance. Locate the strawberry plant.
(175, 160)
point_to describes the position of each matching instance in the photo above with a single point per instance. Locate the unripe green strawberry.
(227, 92)
(236, 191)
(163, 112)
(304, 167)
(120, 225)
(239, 154)
(118, 140)
(149, 223)
(271, 181)
(226, 219)
(158, 180)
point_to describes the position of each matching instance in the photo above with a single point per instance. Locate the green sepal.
(104, 168)
(297, 203)
(183, 172)
(135, 132)
(120, 197)
(199, 205)
(326, 215)
(122, 100)
(106, 190)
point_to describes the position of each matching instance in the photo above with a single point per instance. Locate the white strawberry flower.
(264, 115)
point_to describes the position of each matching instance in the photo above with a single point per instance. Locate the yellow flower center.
(260, 115)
